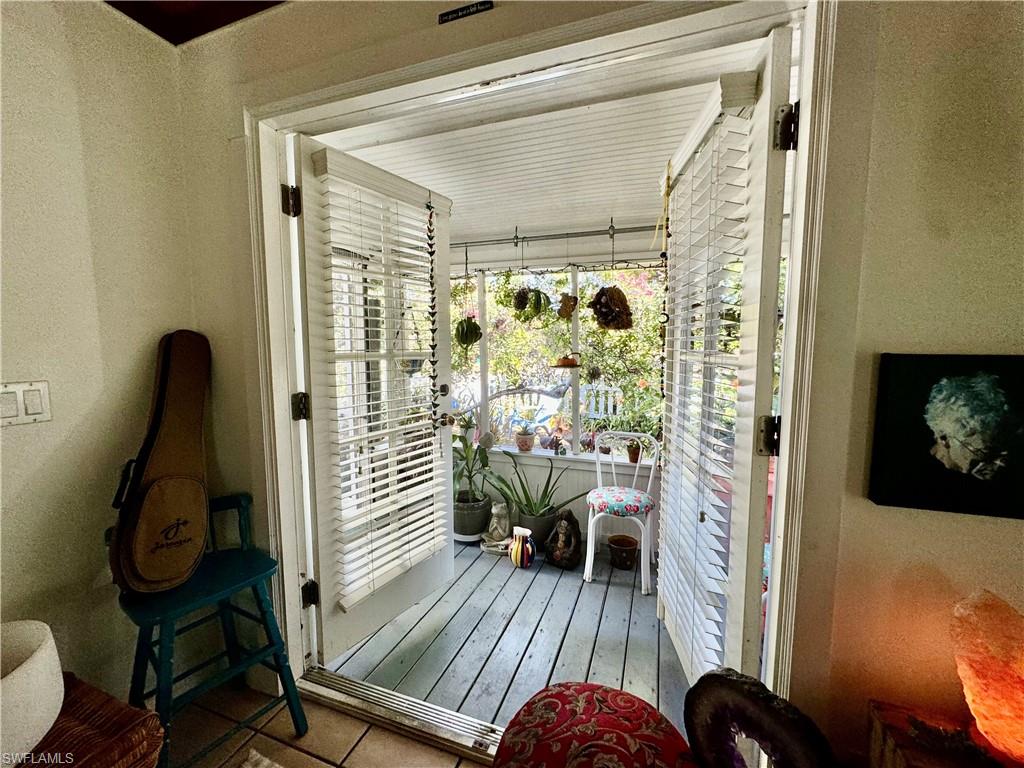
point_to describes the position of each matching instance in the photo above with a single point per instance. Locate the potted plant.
(525, 436)
(535, 507)
(639, 413)
(472, 507)
(633, 449)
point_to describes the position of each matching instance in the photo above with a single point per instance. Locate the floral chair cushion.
(620, 501)
(584, 725)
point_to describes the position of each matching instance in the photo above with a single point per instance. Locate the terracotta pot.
(623, 551)
(633, 449)
(525, 442)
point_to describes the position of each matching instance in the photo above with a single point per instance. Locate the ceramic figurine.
(564, 547)
(522, 550)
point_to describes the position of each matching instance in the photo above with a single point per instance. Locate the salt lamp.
(988, 638)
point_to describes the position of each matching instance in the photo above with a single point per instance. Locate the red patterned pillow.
(584, 725)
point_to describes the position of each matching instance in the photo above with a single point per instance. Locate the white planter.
(31, 685)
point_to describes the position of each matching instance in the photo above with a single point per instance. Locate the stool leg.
(281, 659)
(137, 691)
(165, 685)
(227, 625)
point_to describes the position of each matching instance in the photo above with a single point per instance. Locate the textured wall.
(95, 269)
(942, 272)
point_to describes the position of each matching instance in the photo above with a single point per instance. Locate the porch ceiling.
(552, 154)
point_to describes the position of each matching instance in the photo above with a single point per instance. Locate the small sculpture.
(567, 305)
(564, 546)
(498, 535)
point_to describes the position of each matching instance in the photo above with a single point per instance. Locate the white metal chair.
(625, 501)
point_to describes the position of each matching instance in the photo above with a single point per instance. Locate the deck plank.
(672, 685)
(359, 663)
(462, 672)
(485, 697)
(609, 657)
(640, 675)
(396, 665)
(427, 670)
(536, 664)
(489, 640)
(573, 662)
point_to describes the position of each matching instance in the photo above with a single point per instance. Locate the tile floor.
(334, 738)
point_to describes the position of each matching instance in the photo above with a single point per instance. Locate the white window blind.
(708, 214)
(372, 306)
(725, 211)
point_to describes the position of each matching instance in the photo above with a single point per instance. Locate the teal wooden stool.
(222, 574)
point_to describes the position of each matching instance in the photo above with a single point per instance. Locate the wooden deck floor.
(492, 638)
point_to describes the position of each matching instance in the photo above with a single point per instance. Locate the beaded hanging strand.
(664, 319)
(435, 394)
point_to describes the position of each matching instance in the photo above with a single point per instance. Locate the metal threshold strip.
(429, 723)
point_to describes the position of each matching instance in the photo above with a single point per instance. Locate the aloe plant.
(517, 491)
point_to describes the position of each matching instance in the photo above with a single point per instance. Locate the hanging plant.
(467, 332)
(593, 374)
(537, 303)
(567, 306)
(611, 309)
(521, 300)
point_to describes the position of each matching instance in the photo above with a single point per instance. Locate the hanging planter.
(530, 303)
(611, 309)
(467, 332)
(567, 361)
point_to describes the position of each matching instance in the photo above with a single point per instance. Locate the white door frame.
(267, 129)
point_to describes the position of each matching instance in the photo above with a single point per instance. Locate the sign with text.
(464, 11)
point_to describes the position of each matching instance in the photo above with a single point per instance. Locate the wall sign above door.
(464, 11)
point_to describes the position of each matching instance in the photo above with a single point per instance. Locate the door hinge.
(787, 126)
(769, 435)
(291, 201)
(300, 406)
(310, 593)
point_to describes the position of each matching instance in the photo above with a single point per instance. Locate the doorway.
(394, 641)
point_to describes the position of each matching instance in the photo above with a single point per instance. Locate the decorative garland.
(435, 394)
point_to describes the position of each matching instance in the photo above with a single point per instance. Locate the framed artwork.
(949, 434)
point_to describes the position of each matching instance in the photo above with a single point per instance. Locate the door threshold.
(428, 723)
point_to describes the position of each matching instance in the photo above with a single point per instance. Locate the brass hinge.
(291, 201)
(310, 593)
(300, 406)
(769, 435)
(787, 126)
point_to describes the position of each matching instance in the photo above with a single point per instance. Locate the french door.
(372, 258)
(725, 209)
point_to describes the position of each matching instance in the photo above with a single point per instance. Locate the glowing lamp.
(988, 637)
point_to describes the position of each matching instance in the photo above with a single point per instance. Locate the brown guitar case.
(160, 535)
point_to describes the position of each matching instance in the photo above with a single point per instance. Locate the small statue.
(499, 531)
(564, 546)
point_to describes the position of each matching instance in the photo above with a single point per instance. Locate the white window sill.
(539, 456)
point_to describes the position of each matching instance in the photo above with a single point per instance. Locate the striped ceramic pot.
(522, 550)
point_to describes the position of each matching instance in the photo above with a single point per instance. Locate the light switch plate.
(24, 402)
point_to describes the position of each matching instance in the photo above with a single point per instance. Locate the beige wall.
(95, 269)
(942, 271)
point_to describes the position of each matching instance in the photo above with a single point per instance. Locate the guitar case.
(162, 504)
